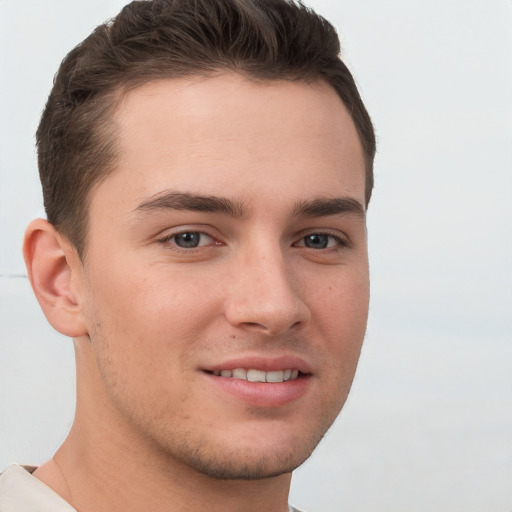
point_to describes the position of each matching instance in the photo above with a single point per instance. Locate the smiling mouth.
(252, 375)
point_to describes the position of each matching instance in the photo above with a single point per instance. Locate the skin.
(153, 429)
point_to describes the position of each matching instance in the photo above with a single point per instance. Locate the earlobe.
(52, 268)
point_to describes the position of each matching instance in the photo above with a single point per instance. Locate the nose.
(263, 295)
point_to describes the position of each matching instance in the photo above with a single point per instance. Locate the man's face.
(227, 247)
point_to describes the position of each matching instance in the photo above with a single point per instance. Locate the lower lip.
(263, 394)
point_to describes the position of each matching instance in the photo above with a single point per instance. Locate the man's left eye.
(319, 241)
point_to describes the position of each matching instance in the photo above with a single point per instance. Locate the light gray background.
(428, 425)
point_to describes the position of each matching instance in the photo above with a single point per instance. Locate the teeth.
(275, 376)
(240, 373)
(259, 375)
(255, 376)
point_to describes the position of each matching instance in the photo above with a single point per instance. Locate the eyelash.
(166, 239)
(340, 242)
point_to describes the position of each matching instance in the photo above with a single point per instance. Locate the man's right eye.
(188, 239)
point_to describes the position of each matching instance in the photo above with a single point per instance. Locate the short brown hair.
(150, 40)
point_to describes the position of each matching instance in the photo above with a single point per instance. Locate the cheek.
(341, 304)
(341, 315)
(151, 298)
(149, 322)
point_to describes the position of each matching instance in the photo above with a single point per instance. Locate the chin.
(247, 467)
(255, 460)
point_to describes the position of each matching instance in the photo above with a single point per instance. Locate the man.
(206, 167)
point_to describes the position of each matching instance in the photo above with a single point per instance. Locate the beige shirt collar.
(22, 492)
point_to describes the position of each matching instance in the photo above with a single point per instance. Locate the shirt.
(22, 492)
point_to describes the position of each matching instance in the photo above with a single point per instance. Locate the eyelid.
(167, 238)
(342, 239)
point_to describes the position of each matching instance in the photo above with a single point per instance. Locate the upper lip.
(262, 363)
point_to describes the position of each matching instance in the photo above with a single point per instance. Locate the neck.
(105, 466)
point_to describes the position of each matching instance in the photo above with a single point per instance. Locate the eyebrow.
(320, 207)
(192, 202)
(324, 207)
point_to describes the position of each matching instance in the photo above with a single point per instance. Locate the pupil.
(317, 241)
(187, 240)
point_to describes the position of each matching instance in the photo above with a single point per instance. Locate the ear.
(55, 273)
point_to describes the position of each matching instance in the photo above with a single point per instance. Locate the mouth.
(263, 382)
(254, 375)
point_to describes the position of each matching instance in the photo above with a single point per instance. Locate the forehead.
(229, 133)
